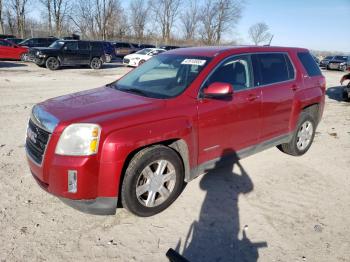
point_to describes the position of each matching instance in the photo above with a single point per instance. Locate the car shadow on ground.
(6, 64)
(215, 236)
(336, 93)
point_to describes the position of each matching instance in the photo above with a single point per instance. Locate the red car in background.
(9, 50)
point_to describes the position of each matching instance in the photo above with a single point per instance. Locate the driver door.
(231, 123)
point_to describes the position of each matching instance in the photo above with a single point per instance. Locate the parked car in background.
(142, 137)
(122, 49)
(316, 59)
(2, 36)
(339, 63)
(70, 53)
(169, 47)
(38, 42)
(9, 50)
(141, 56)
(15, 40)
(109, 51)
(324, 62)
(143, 46)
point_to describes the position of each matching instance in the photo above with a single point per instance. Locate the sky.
(322, 25)
(313, 24)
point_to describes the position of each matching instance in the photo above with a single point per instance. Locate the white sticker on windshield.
(197, 62)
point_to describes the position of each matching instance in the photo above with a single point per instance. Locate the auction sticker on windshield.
(197, 62)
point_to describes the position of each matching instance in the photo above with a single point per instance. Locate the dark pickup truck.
(69, 53)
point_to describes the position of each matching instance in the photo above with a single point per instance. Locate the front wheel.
(24, 57)
(153, 180)
(96, 63)
(141, 62)
(302, 138)
(52, 63)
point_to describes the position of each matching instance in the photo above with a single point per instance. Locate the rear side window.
(272, 68)
(309, 64)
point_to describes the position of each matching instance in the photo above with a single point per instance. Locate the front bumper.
(98, 206)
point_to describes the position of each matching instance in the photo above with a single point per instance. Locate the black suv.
(69, 53)
(339, 62)
(38, 42)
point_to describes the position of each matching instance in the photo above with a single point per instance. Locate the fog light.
(72, 181)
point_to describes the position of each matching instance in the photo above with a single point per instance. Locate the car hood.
(96, 105)
(44, 49)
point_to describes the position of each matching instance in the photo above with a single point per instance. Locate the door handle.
(295, 87)
(252, 97)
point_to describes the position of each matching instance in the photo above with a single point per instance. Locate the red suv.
(9, 50)
(141, 138)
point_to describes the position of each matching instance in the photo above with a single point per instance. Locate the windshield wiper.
(134, 90)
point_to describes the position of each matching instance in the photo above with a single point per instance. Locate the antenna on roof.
(270, 41)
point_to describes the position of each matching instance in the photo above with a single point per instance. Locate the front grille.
(36, 142)
(126, 61)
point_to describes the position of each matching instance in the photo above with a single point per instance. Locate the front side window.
(271, 68)
(71, 46)
(163, 76)
(4, 43)
(56, 45)
(235, 71)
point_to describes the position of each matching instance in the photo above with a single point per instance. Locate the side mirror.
(218, 90)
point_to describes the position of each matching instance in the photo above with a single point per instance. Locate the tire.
(24, 57)
(343, 68)
(155, 193)
(96, 63)
(52, 63)
(302, 138)
(108, 58)
(141, 62)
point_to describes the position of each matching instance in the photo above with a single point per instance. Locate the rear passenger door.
(70, 53)
(274, 74)
(84, 52)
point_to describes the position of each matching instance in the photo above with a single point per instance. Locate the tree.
(139, 16)
(189, 20)
(259, 33)
(2, 29)
(165, 14)
(19, 8)
(106, 10)
(84, 19)
(48, 6)
(218, 17)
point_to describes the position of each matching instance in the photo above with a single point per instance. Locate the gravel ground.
(270, 207)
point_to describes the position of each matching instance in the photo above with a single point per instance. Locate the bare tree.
(189, 20)
(48, 6)
(138, 17)
(11, 21)
(217, 17)
(165, 14)
(105, 11)
(259, 33)
(2, 29)
(84, 19)
(19, 8)
(59, 10)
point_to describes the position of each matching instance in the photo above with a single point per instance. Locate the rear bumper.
(98, 206)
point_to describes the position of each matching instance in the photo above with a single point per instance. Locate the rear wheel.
(52, 63)
(302, 138)
(96, 63)
(153, 180)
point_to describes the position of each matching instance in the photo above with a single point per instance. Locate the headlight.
(79, 140)
(342, 63)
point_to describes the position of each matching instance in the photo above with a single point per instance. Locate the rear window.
(309, 64)
(272, 68)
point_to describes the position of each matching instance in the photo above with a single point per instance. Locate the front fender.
(118, 145)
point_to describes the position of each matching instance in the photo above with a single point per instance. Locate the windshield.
(56, 45)
(25, 41)
(144, 51)
(163, 76)
(342, 58)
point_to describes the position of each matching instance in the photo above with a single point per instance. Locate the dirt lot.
(273, 208)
